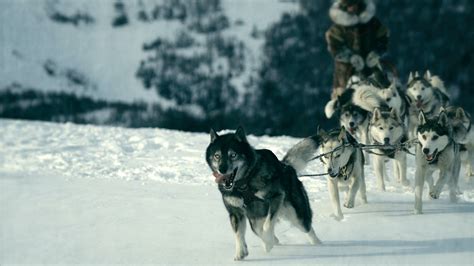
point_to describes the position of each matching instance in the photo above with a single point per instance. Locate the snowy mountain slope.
(39, 53)
(87, 194)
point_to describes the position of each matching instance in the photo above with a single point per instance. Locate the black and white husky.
(425, 93)
(345, 165)
(387, 128)
(255, 185)
(436, 151)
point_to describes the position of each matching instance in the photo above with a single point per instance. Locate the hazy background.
(193, 64)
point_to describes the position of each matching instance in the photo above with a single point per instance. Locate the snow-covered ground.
(86, 194)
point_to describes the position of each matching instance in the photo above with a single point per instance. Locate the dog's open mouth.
(419, 103)
(352, 130)
(432, 157)
(227, 180)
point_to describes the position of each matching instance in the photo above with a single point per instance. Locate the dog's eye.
(337, 156)
(435, 137)
(390, 128)
(381, 128)
(233, 155)
(394, 95)
(217, 156)
(424, 137)
(422, 88)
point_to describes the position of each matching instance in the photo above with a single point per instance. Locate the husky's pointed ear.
(376, 114)
(427, 75)
(394, 113)
(214, 135)
(460, 113)
(443, 119)
(416, 74)
(410, 77)
(393, 86)
(342, 134)
(240, 134)
(422, 118)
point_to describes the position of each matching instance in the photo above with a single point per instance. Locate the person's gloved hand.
(372, 60)
(357, 62)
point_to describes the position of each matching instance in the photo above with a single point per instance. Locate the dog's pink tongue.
(219, 177)
(429, 157)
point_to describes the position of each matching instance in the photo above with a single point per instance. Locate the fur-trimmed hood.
(343, 18)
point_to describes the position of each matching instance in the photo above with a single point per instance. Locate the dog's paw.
(417, 211)
(453, 197)
(434, 195)
(349, 205)
(405, 182)
(240, 254)
(337, 217)
(268, 246)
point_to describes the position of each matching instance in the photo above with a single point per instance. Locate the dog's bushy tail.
(301, 153)
(436, 82)
(367, 98)
(330, 108)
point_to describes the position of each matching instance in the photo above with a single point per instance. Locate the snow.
(108, 57)
(86, 194)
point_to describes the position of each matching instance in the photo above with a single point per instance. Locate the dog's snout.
(386, 140)
(426, 151)
(351, 124)
(388, 99)
(329, 170)
(223, 168)
(418, 97)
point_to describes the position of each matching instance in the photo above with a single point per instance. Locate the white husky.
(386, 128)
(344, 165)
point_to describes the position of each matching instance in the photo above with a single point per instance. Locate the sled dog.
(387, 128)
(353, 107)
(256, 186)
(345, 165)
(395, 99)
(463, 134)
(436, 151)
(425, 93)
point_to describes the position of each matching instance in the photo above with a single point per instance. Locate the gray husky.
(345, 165)
(436, 151)
(255, 185)
(464, 135)
(425, 93)
(387, 128)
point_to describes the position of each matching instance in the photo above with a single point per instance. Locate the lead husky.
(344, 165)
(386, 128)
(426, 94)
(436, 151)
(255, 185)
